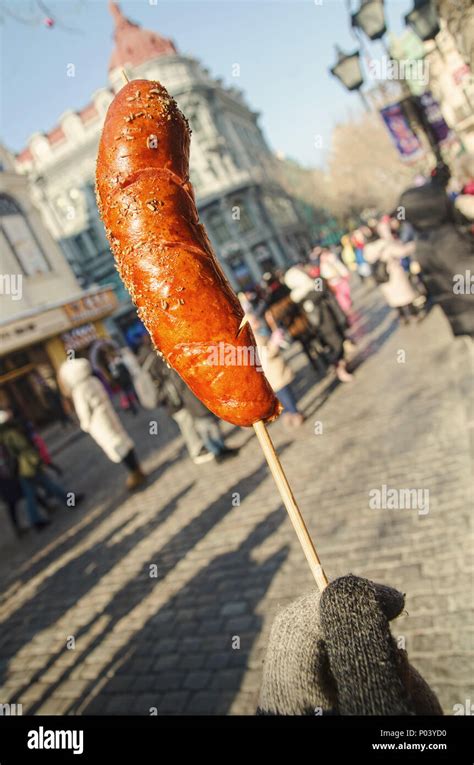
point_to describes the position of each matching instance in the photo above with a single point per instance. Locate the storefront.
(34, 345)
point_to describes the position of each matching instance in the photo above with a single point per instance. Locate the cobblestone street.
(132, 603)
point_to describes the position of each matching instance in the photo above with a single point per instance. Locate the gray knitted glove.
(334, 653)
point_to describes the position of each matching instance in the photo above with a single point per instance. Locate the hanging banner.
(434, 117)
(406, 141)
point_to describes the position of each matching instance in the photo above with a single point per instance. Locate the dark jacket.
(164, 378)
(193, 405)
(173, 393)
(121, 375)
(16, 442)
(445, 252)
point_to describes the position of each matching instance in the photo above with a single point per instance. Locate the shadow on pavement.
(86, 570)
(70, 583)
(196, 666)
(67, 540)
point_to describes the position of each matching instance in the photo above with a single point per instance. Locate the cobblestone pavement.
(134, 603)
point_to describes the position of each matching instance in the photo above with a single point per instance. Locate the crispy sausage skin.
(165, 259)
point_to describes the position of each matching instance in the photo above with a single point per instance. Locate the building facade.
(438, 66)
(452, 83)
(251, 220)
(44, 313)
(459, 19)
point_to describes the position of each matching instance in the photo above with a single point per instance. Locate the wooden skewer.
(125, 76)
(290, 503)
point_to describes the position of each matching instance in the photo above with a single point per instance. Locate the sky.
(283, 47)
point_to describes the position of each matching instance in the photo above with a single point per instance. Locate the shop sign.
(91, 307)
(79, 337)
(405, 140)
(20, 333)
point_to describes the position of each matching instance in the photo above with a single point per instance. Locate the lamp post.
(371, 19)
(423, 19)
(347, 70)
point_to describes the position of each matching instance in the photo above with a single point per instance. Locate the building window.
(89, 243)
(21, 238)
(96, 240)
(218, 228)
(240, 272)
(81, 242)
(281, 210)
(241, 216)
(264, 258)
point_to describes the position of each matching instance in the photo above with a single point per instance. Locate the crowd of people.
(412, 255)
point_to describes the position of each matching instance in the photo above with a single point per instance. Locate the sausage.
(166, 261)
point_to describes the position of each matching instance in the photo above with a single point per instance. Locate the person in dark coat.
(206, 424)
(122, 377)
(199, 428)
(10, 491)
(445, 252)
(168, 397)
(21, 462)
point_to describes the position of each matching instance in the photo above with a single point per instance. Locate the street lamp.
(370, 18)
(347, 69)
(423, 19)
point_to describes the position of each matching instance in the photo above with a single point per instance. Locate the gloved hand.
(334, 653)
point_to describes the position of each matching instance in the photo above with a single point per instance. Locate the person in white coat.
(276, 370)
(385, 256)
(98, 418)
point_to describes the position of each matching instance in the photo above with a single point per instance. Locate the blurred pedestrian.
(327, 323)
(464, 178)
(123, 379)
(337, 277)
(38, 441)
(286, 311)
(276, 370)
(52, 397)
(358, 242)
(98, 417)
(385, 255)
(10, 489)
(167, 386)
(347, 253)
(206, 424)
(299, 282)
(26, 464)
(444, 248)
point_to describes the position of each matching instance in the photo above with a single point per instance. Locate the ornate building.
(252, 221)
(43, 311)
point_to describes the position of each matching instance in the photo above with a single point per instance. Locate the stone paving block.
(226, 679)
(192, 661)
(208, 703)
(198, 680)
(217, 661)
(173, 703)
(235, 608)
(166, 661)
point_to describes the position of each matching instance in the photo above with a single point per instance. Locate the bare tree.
(365, 169)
